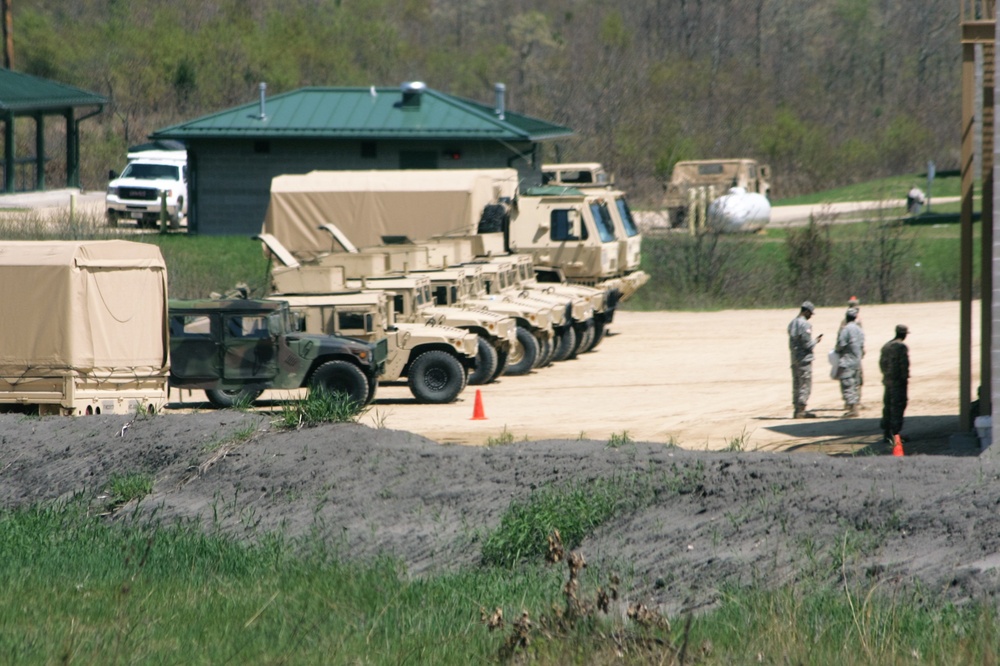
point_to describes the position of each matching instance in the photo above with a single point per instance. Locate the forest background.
(827, 93)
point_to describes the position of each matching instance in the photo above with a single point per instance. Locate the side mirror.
(112, 174)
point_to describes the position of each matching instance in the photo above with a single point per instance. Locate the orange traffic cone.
(897, 447)
(477, 412)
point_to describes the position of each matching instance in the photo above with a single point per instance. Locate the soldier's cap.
(852, 313)
(902, 330)
(853, 300)
(807, 305)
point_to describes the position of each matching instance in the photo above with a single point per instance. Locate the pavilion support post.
(39, 151)
(965, 243)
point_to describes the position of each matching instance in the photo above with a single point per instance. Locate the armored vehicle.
(235, 349)
(714, 178)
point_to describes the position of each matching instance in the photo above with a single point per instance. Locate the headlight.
(113, 191)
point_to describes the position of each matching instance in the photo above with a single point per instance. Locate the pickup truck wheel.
(225, 398)
(523, 353)
(565, 344)
(342, 377)
(486, 363)
(436, 377)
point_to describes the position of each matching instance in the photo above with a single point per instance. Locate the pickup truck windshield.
(152, 171)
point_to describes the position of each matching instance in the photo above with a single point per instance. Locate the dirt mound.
(718, 518)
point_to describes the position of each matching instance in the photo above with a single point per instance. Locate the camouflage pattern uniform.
(853, 302)
(801, 344)
(894, 362)
(850, 347)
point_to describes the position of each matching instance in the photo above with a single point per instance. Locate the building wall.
(230, 180)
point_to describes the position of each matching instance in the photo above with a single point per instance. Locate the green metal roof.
(365, 113)
(23, 92)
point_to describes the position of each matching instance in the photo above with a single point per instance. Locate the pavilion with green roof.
(234, 154)
(26, 96)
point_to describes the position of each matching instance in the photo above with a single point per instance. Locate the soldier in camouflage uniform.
(894, 362)
(850, 348)
(853, 302)
(801, 345)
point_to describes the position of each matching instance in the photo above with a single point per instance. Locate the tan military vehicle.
(411, 299)
(711, 179)
(560, 226)
(84, 327)
(591, 177)
(435, 359)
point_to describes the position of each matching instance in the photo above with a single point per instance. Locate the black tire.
(342, 377)
(544, 351)
(565, 344)
(584, 337)
(436, 377)
(523, 354)
(486, 363)
(372, 387)
(226, 398)
(503, 359)
(600, 328)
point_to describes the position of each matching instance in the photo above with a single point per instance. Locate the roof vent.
(263, 94)
(411, 94)
(499, 89)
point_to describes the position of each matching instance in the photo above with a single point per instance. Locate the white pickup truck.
(136, 193)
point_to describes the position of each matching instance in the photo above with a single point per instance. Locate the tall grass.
(79, 590)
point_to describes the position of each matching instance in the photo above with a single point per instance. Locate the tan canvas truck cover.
(369, 205)
(83, 316)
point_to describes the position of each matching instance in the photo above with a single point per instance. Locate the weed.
(505, 437)
(617, 441)
(739, 443)
(123, 488)
(319, 406)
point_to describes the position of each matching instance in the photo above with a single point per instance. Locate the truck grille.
(139, 193)
(381, 350)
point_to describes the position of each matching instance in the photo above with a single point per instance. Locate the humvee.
(719, 175)
(234, 349)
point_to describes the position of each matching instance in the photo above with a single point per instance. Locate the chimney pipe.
(263, 93)
(499, 89)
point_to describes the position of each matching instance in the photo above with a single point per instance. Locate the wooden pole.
(8, 33)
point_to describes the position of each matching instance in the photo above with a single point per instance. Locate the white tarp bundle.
(93, 307)
(367, 205)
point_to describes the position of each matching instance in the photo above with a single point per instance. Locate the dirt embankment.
(720, 517)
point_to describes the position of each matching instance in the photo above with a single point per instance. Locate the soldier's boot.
(852, 411)
(799, 412)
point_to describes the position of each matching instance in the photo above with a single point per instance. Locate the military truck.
(410, 299)
(435, 359)
(559, 226)
(591, 177)
(711, 179)
(84, 327)
(235, 349)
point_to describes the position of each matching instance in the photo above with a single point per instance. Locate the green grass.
(123, 488)
(319, 406)
(133, 593)
(946, 184)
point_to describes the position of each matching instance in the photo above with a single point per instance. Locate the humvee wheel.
(436, 377)
(224, 398)
(503, 358)
(342, 377)
(600, 328)
(372, 386)
(584, 337)
(486, 363)
(565, 344)
(523, 353)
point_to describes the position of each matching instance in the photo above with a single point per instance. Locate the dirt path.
(702, 380)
